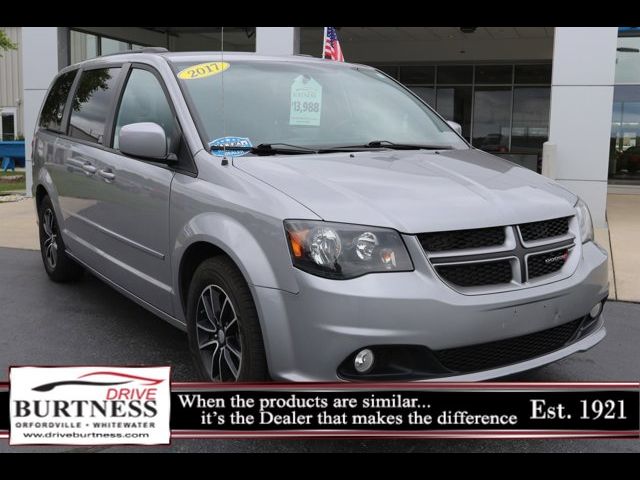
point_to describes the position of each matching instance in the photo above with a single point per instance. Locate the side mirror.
(456, 126)
(145, 140)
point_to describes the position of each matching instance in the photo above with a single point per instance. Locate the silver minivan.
(309, 220)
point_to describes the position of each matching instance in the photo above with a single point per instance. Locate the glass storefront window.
(533, 74)
(628, 60)
(83, 46)
(418, 75)
(8, 126)
(454, 103)
(455, 74)
(428, 94)
(624, 157)
(491, 119)
(109, 45)
(624, 146)
(494, 74)
(504, 107)
(530, 124)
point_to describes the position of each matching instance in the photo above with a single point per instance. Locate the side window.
(92, 103)
(144, 101)
(53, 110)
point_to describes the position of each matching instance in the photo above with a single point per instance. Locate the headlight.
(342, 251)
(584, 220)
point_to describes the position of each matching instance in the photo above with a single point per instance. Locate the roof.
(207, 56)
(202, 56)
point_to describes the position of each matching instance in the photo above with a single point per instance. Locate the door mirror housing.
(146, 140)
(456, 126)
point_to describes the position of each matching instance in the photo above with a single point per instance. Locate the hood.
(413, 191)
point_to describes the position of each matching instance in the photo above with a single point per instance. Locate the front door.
(138, 210)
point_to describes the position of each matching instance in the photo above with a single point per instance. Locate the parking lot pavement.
(88, 323)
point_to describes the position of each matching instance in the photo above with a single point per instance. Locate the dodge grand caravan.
(305, 220)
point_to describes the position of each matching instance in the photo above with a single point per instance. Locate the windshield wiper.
(392, 145)
(398, 146)
(271, 149)
(280, 148)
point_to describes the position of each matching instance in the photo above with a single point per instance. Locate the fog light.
(596, 310)
(363, 361)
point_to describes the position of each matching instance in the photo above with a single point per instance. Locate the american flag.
(332, 49)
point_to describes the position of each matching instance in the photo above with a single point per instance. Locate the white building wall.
(277, 40)
(582, 85)
(11, 77)
(40, 51)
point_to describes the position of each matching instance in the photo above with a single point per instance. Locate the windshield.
(308, 105)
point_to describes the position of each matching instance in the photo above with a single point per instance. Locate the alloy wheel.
(51, 238)
(218, 335)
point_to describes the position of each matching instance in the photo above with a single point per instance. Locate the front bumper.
(308, 335)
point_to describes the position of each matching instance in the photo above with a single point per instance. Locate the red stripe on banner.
(396, 385)
(407, 385)
(443, 434)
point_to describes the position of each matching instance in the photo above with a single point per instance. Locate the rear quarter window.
(54, 106)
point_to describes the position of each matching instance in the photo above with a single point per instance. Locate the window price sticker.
(306, 102)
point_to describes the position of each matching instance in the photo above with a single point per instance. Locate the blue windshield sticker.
(229, 146)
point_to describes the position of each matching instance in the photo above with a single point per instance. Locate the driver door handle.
(107, 174)
(88, 168)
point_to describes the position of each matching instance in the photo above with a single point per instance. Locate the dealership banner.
(140, 406)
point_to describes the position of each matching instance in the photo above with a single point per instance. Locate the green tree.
(6, 43)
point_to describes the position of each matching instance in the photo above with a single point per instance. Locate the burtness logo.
(90, 405)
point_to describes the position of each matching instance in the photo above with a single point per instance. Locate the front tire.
(58, 265)
(223, 328)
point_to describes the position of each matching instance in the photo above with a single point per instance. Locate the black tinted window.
(92, 103)
(455, 74)
(53, 110)
(540, 74)
(417, 75)
(488, 74)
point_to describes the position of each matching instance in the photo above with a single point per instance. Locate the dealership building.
(561, 100)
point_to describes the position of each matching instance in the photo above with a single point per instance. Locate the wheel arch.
(43, 185)
(192, 257)
(41, 192)
(211, 234)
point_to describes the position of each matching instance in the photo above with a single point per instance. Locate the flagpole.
(324, 40)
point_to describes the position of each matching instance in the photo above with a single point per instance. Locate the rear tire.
(223, 328)
(58, 265)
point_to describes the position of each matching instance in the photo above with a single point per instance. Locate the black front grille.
(460, 239)
(477, 274)
(545, 229)
(505, 352)
(545, 263)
